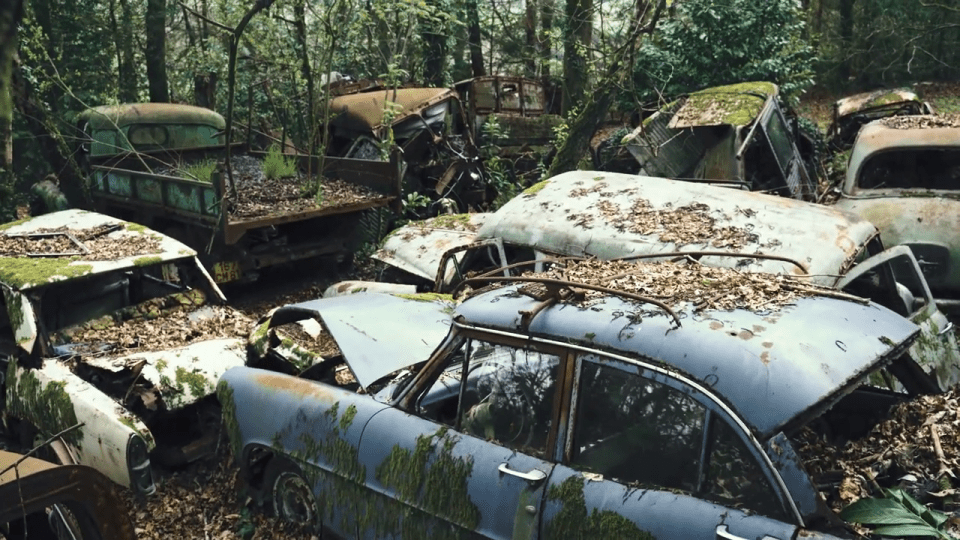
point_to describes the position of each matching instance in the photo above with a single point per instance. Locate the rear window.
(912, 169)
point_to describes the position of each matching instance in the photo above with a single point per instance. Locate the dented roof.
(76, 243)
(118, 116)
(734, 104)
(877, 98)
(777, 370)
(611, 215)
(418, 246)
(365, 111)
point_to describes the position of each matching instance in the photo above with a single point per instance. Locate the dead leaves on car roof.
(921, 122)
(93, 244)
(706, 287)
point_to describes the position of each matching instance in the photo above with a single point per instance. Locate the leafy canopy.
(715, 42)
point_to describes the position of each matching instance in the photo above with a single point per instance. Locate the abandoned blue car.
(596, 400)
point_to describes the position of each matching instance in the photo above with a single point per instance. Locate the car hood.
(378, 334)
(418, 246)
(181, 376)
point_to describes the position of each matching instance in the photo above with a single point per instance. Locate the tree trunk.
(531, 49)
(123, 39)
(582, 127)
(11, 11)
(576, 44)
(156, 53)
(473, 31)
(205, 90)
(846, 39)
(546, 40)
(300, 27)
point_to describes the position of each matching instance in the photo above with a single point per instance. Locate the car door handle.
(532, 476)
(946, 329)
(723, 533)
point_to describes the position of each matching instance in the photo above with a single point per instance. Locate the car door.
(471, 458)
(650, 456)
(893, 279)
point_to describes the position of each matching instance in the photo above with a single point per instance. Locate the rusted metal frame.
(565, 283)
(706, 448)
(427, 374)
(564, 412)
(570, 431)
(715, 254)
(448, 256)
(753, 129)
(198, 219)
(152, 176)
(235, 230)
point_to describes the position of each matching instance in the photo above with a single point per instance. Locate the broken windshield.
(911, 168)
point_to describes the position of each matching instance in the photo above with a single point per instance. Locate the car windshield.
(912, 168)
(143, 291)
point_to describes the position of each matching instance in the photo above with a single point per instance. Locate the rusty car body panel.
(66, 371)
(394, 465)
(851, 113)
(735, 134)
(40, 491)
(907, 182)
(150, 126)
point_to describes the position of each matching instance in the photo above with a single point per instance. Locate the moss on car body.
(573, 520)
(19, 272)
(47, 406)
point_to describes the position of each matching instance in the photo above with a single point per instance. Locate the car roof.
(777, 368)
(364, 111)
(734, 104)
(899, 132)
(103, 244)
(876, 98)
(418, 246)
(612, 215)
(118, 116)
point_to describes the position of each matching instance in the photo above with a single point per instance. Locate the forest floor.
(817, 104)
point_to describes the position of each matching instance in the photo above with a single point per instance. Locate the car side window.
(508, 396)
(637, 430)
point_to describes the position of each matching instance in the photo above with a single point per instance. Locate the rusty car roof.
(364, 111)
(877, 98)
(418, 246)
(118, 116)
(23, 271)
(612, 215)
(734, 104)
(378, 333)
(776, 369)
(924, 131)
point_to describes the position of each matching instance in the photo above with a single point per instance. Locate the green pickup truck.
(163, 165)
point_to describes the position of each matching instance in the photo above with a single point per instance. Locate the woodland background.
(606, 57)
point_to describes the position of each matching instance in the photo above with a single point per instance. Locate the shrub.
(276, 166)
(202, 171)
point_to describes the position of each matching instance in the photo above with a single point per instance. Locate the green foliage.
(413, 207)
(897, 514)
(716, 42)
(497, 169)
(200, 171)
(275, 165)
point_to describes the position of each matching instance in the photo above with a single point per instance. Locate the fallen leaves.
(673, 283)
(94, 244)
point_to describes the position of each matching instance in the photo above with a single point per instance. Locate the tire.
(291, 495)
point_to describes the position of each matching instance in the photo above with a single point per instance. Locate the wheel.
(291, 496)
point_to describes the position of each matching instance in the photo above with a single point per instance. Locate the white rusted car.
(611, 215)
(113, 337)
(904, 177)
(851, 113)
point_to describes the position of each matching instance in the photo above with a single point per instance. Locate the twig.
(39, 446)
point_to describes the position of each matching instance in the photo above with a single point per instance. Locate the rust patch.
(300, 387)
(716, 325)
(745, 335)
(765, 357)
(767, 344)
(757, 329)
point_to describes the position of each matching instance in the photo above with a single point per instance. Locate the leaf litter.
(91, 244)
(706, 287)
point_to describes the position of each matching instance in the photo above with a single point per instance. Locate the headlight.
(138, 463)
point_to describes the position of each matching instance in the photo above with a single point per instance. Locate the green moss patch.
(456, 222)
(425, 297)
(536, 188)
(573, 520)
(735, 104)
(48, 407)
(147, 261)
(19, 272)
